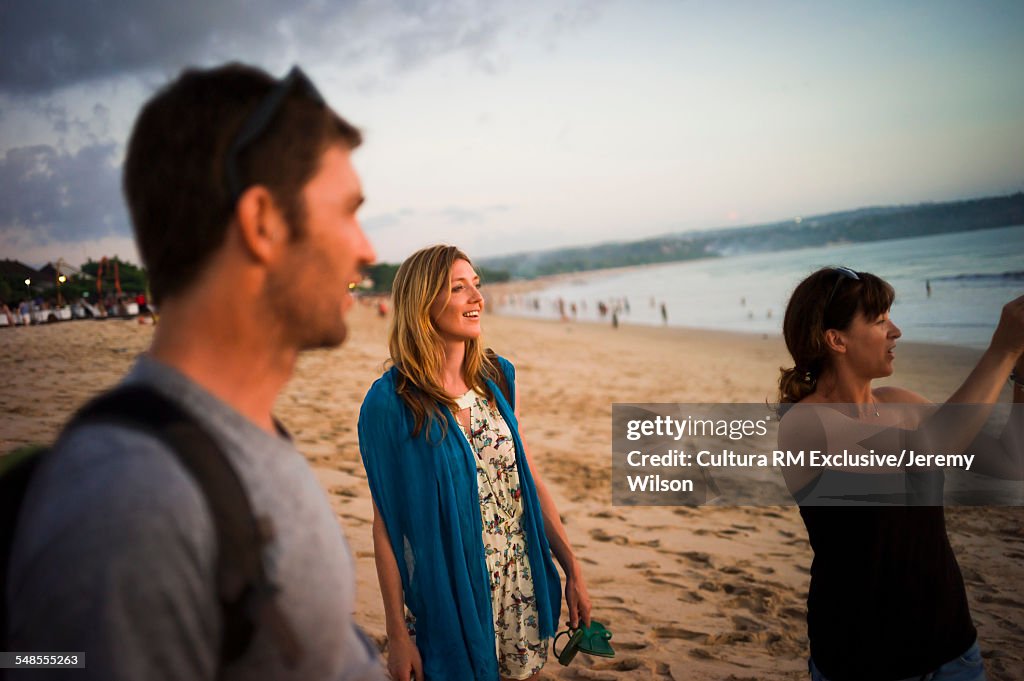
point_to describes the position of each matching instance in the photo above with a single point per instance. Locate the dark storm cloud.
(48, 44)
(51, 43)
(94, 130)
(52, 195)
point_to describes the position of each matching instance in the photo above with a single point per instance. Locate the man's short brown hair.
(174, 172)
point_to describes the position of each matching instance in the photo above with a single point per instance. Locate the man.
(243, 201)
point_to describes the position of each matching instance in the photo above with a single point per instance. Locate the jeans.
(965, 667)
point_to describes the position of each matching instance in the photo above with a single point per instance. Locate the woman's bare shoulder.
(895, 395)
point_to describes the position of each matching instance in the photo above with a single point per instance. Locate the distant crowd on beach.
(41, 310)
(610, 309)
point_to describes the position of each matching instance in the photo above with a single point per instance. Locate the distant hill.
(861, 225)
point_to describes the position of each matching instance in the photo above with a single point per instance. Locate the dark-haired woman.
(463, 527)
(886, 600)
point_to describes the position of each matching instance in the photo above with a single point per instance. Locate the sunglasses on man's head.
(260, 119)
(844, 273)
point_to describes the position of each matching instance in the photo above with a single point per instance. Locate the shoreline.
(912, 357)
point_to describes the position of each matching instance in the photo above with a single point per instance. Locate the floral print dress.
(521, 651)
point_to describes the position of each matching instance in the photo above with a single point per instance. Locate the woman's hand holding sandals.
(404, 663)
(577, 600)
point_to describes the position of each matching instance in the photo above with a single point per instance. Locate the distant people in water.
(664, 314)
(928, 287)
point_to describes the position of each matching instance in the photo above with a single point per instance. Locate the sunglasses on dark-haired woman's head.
(259, 120)
(844, 274)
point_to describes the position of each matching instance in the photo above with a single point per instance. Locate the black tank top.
(887, 599)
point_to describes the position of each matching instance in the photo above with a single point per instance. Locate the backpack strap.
(16, 469)
(246, 593)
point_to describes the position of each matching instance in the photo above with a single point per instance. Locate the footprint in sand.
(691, 597)
(355, 520)
(737, 589)
(747, 624)
(971, 575)
(729, 638)
(698, 654)
(591, 675)
(600, 535)
(1000, 600)
(626, 664)
(630, 645)
(680, 633)
(698, 557)
(645, 564)
(344, 492)
(1010, 624)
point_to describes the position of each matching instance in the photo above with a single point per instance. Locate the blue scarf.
(426, 492)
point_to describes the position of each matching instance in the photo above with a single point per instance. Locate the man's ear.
(835, 341)
(260, 224)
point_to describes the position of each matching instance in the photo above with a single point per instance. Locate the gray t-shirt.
(115, 554)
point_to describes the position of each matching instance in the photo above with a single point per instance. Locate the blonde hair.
(416, 347)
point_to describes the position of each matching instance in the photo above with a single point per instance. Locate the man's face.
(310, 290)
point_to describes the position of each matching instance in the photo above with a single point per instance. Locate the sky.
(505, 127)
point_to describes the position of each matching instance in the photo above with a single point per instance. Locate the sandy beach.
(705, 593)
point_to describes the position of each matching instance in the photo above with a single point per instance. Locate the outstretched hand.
(1009, 335)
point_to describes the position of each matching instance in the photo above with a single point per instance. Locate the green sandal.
(592, 640)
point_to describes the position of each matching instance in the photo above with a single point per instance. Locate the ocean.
(971, 274)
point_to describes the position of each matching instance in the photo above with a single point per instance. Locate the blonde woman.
(463, 527)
